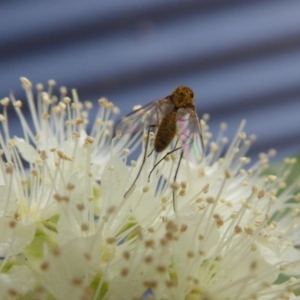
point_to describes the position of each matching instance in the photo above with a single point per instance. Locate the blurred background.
(242, 58)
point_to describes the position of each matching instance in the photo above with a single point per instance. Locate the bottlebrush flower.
(68, 232)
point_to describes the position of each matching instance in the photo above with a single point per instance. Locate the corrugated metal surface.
(242, 58)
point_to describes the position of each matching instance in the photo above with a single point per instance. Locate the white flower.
(68, 232)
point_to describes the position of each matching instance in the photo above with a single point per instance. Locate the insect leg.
(151, 152)
(143, 162)
(175, 177)
(162, 160)
(155, 165)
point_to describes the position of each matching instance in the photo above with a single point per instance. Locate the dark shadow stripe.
(60, 34)
(189, 66)
(248, 103)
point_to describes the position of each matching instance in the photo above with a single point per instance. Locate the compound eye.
(192, 94)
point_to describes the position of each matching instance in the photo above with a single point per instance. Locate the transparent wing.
(150, 114)
(190, 133)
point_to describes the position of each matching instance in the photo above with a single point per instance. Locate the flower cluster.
(68, 232)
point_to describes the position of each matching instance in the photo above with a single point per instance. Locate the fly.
(173, 115)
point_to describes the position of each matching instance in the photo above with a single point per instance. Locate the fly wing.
(150, 114)
(190, 134)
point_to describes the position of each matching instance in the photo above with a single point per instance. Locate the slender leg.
(143, 162)
(175, 177)
(151, 152)
(161, 161)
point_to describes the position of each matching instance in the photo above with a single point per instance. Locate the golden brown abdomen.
(166, 132)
